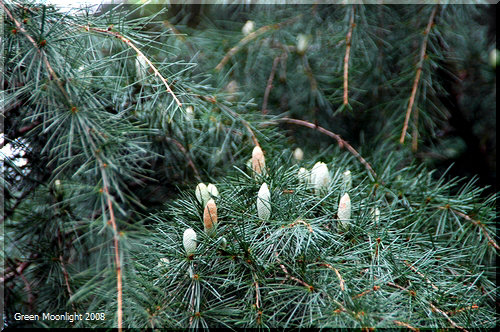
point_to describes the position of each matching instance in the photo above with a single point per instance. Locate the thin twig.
(346, 57)
(454, 312)
(420, 274)
(139, 54)
(292, 277)
(375, 288)
(342, 287)
(414, 139)
(447, 317)
(250, 37)
(183, 150)
(339, 139)
(63, 267)
(42, 54)
(302, 222)
(397, 322)
(475, 222)
(116, 235)
(269, 84)
(417, 76)
(10, 273)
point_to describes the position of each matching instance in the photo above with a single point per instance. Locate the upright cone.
(320, 177)
(344, 212)
(210, 217)
(347, 180)
(189, 241)
(264, 202)
(202, 193)
(258, 161)
(212, 190)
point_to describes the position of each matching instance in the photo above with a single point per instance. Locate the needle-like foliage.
(114, 117)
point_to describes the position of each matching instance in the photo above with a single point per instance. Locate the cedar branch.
(346, 57)
(342, 143)
(417, 76)
(139, 54)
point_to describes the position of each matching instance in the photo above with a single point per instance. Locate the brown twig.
(346, 57)
(269, 84)
(408, 326)
(447, 317)
(116, 243)
(250, 37)
(420, 274)
(414, 138)
(302, 222)
(63, 267)
(189, 160)
(10, 273)
(454, 312)
(417, 76)
(339, 139)
(342, 287)
(42, 54)
(475, 222)
(303, 283)
(375, 288)
(139, 54)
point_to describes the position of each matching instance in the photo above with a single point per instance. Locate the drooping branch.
(140, 55)
(186, 154)
(417, 75)
(250, 37)
(339, 139)
(346, 57)
(42, 54)
(269, 84)
(475, 222)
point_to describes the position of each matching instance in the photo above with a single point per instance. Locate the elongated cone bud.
(264, 202)
(376, 214)
(190, 113)
(258, 161)
(189, 241)
(202, 194)
(210, 216)
(303, 175)
(302, 43)
(248, 28)
(212, 190)
(298, 154)
(320, 177)
(141, 67)
(223, 243)
(344, 212)
(347, 180)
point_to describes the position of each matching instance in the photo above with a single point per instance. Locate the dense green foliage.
(121, 113)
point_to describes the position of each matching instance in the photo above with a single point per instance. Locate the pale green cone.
(264, 202)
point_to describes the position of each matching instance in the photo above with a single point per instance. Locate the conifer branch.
(475, 222)
(414, 269)
(339, 139)
(302, 222)
(251, 36)
(139, 54)
(419, 71)
(112, 221)
(63, 267)
(303, 283)
(342, 287)
(408, 326)
(346, 57)
(42, 54)
(447, 317)
(186, 154)
(269, 84)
